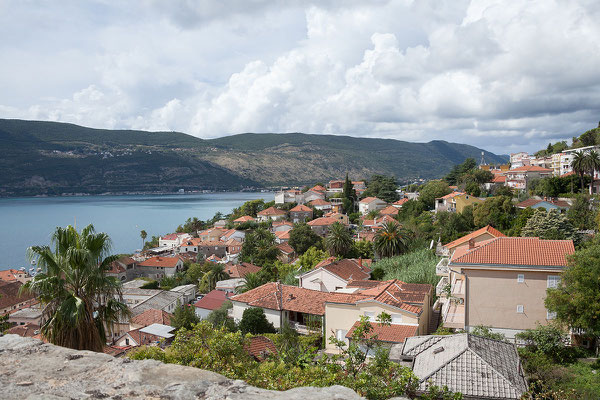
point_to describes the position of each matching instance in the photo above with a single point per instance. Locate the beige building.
(330, 274)
(501, 283)
(369, 204)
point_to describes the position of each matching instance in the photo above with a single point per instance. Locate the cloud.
(503, 76)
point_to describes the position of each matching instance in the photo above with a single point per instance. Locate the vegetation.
(498, 212)
(219, 318)
(79, 299)
(382, 187)
(415, 267)
(549, 224)
(486, 332)
(311, 257)
(184, 317)
(255, 321)
(260, 248)
(338, 242)
(302, 237)
(391, 240)
(431, 191)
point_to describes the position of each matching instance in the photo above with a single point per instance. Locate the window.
(553, 281)
(550, 315)
(126, 342)
(370, 315)
(396, 318)
(339, 334)
(520, 278)
(520, 309)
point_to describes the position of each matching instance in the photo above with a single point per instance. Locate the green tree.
(576, 300)
(209, 280)
(486, 332)
(498, 212)
(151, 243)
(302, 237)
(456, 173)
(592, 162)
(503, 191)
(580, 165)
(581, 214)
(338, 242)
(350, 197)
(311, 257)
(184, 317)
(473, 189)
(382, 187)
(4, 325)
(252, 280)
(193, 225)
(411, 209)
(549, 225)
(431, 191)
(143, 235)
(391, 240)
(254, 321)
(520, 221)
(196, 271)
(220, 318)
(362, 249)
(79, 299)
(260, 248)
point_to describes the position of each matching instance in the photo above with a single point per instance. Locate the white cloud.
(504, 76)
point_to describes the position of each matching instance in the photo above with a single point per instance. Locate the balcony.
(458, 289)
(441, 286)
(441, 269)
(453, 315)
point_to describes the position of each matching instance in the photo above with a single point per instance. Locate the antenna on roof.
(482, 159)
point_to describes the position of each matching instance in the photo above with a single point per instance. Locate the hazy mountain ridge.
(53, 158)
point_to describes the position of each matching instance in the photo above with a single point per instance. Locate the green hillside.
(53, 158)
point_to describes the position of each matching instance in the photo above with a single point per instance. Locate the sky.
(506, 76)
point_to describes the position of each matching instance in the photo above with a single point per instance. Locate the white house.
(331, 275)
(271, 214)
(172, 240)
(369, 204)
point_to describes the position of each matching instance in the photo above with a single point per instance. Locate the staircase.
(434, 321)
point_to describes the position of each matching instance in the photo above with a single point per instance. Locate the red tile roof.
(8, 275)
(368, 200)
(160, 261)
(301, 208)
(347, 269)
(283, 235)
(152, 316)
(27, 330)
(240, 270)
(533, 202)
(259, 347)
(319, 202)
(323, 221)
(451, 195)
(387, 333)
(213, 300)
(528, 168)
(271, 211)
(285, 248)
(518, 251)
(276, 296)
(172, 236)
(318, 188)
(401, 201)
(465, 239)
(389, 210)
(499, 179)
(245, 218)
(9, 294)
(115, 268)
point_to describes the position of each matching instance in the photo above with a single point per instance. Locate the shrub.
(255, 321)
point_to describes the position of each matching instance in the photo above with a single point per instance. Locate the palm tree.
(251, 281)
(390, 240)
(579, 165)
(217, 273)
(81, 303)
(592, 160)
(338, 241)
(143, 235)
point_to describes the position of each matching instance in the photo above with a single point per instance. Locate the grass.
(415, 267)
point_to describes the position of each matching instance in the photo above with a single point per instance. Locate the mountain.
(53, 158)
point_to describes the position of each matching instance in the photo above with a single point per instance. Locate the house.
(159, 266)
(10, 298)
(189, 246)
(28, 315)
(232, 234)
(213, 300)
(271, 214)
(172, 240)
(162, 300)
(392, 211)
(288, 254)
(455, 202)
(245, 218)
(301, 213)
(289, 196)
(220, 223)
(518, 160)
(117, 270)
(129, 265)
(408, 304)
(13, 275)
(188, 292)
(400, 203)
(260, 348)
(282, 226)
(298, 306)
(519, 178)
(312, 196)
(215, 247)
(282, 236)
(377, 222)
(318, 189)
(478, 367)
(330, 274)
(550, 204)
(321, 225)
(501, 283)
(320, 204)
(26, 330)
(150, 335)
(369, 204)
(480, 235)
(241, 270)
(336, 186)
(149, 317)
(211, 235)
(230, 285)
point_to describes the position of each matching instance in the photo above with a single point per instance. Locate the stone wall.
(32, 370)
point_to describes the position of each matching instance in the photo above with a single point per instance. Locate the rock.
(33, 370)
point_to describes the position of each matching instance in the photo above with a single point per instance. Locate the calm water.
(30, 221)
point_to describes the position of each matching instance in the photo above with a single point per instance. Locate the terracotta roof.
(152, 316)
(368, 236)
(259, 347)
(518, 251)
(245, 218)
(282, 223)
(347, 269)
(533, 202)
(499, 179)
(271, 211)
(8, 275)
(529, 168)
(240, 270)
(568, 173)
(465, 239)
(320, 202)
(213, 300)
(160, 261)
(283, 235)
(368, 200)
(191, 242)
(301, 208)
(172, 236)
(389, 210)
(27, 330)
(387, 333)
(285, 248)
(401, 201)
(323, 221)
(276, 296)
(9, 294)
(318, 188)
(115, 268)
(212, 243)
(451, 195)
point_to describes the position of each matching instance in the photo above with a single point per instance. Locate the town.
(454, 279)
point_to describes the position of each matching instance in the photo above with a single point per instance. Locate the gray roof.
(160, 301)
(184, 288)
(159, 330)
(477, 367)
(136, 283)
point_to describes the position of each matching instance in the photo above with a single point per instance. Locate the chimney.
(471, 244)
(360, 262)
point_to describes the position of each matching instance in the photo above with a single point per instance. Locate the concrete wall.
(329, 282)
(492, 297)
(273, 316)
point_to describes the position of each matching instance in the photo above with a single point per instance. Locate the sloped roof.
(518, 251)
(528, 168)
(240, 270)
(347, 269)
(396, 333)
(285, 248)
(271, 211)
(323, 221)
(499, 179)
(9, 275)
(451, 195)
(259, 347)
(368, 200)
(320, 202)
(533, 202)
(465, 239)
(152, 316)
(9, 294)
(276, 296)
(245, 218)
(318, 188)
(161, 261)
(26, 330)
(301, 208)
(475, 366)
(283, 235)
(213, 300)
(401, 201)
(389, 210)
